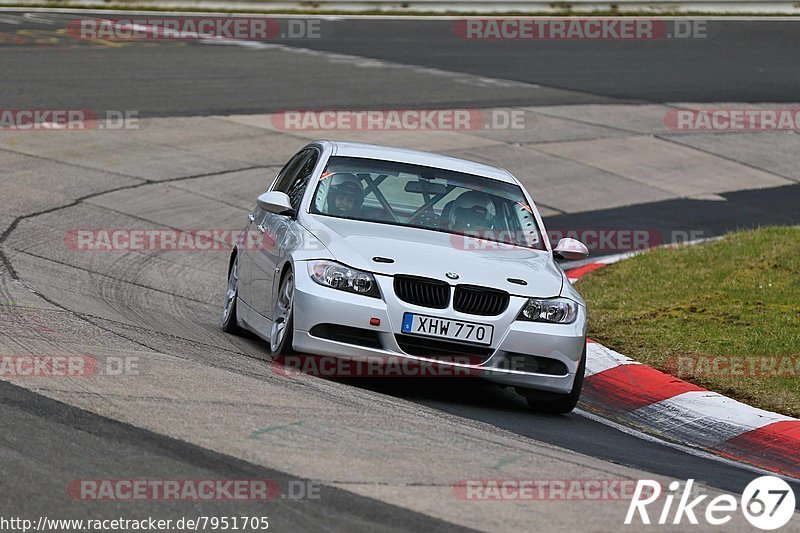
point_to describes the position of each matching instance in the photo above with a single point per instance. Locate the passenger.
(472, 211)
(345, 196)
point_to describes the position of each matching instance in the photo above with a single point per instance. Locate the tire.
(280, 339)
(229, 323)
(557, 404)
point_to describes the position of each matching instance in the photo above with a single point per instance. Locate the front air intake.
(480, 300)
(424, 292)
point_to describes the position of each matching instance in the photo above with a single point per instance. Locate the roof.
(403, 155)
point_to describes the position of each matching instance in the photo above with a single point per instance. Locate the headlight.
(558, 310)
(338, 276)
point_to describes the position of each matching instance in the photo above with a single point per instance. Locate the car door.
(252, 240)
(275, 229)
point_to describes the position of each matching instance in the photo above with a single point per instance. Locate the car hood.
(433, 254)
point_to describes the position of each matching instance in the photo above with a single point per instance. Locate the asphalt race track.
(203, 404)
(738, 61)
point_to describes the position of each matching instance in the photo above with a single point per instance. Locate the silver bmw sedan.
(373, 252)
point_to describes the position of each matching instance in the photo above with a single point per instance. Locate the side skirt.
(252, 321)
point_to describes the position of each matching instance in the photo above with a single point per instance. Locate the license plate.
(445, 328)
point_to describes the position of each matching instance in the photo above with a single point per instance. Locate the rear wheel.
(553, 403)
(280, 339)
(229, 324)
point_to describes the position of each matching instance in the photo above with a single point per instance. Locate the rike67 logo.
(767, 503)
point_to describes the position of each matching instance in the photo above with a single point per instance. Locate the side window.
(297, 187)
(287, 173)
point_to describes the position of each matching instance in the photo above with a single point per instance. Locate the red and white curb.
(624, 390)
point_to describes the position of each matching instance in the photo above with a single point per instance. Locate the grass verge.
(724, 315)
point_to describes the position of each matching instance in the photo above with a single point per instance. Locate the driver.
(472, 211)
(346, 195)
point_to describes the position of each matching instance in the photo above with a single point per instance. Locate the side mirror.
(570, 249)
(276, 202)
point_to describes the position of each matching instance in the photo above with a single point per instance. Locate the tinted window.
(298, 184)
(287, 173)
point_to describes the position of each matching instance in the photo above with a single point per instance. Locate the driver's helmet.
(345, 194)
(472, 211)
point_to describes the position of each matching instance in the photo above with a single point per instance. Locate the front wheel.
(280, 339)
(229, 323)
(558, 404)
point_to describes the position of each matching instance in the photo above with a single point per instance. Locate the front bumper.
(315, 304)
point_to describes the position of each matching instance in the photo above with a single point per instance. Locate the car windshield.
(428, 198)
